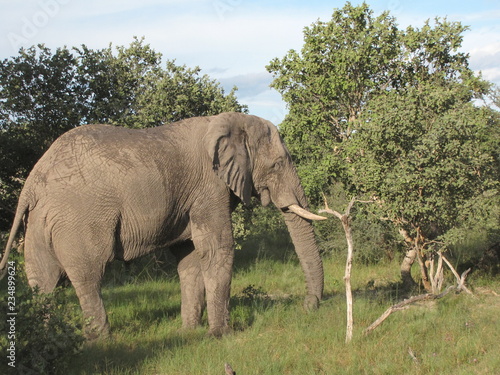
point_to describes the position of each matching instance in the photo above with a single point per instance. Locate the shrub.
(45, 330)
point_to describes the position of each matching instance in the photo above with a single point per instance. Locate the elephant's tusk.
(304, 213)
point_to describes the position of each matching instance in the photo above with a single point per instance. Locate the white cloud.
(239, 44)
(492, 75)
(483, 46)
(70, 22)
(474, 17)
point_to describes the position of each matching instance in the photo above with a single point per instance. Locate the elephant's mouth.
(265, 199)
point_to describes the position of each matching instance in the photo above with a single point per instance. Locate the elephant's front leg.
(214, 246)
(217, 274)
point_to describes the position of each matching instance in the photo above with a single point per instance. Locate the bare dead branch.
(460, 278)
(407, 302)
(349, 206)
(437, 277)
(344, 218)
(451, 268)
(328, 210)
(399, 306)
(413, 355)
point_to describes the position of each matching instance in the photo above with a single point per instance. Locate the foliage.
(343, 63)
(258, 227)
(374, 240)
(37, 103)
(45, 93)
(247, 305)
(422, 168)
(47, 331)
(425, 152)
(132, 89)
(392, 115)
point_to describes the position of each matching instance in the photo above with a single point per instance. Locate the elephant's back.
(89, 154)
(86, 162)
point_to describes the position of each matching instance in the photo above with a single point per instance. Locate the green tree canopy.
(342, 64)
(391, 113)
(345, 63)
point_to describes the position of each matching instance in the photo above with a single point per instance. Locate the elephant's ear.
(226, 143)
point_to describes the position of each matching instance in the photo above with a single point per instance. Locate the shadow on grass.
(113, 356)
(252, 302)
(117, 355)
(276, 247)
(145, 307)
(388, 292)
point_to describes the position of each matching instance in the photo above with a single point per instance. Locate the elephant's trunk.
(302, 234)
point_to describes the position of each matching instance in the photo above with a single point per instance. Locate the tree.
(342, 64)
(423, 150)
(423, 166)
(390, 113)
(130, 88)
(43, 94)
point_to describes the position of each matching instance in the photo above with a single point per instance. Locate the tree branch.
(328, 210)
(404, 305)
(460, 278)
(423, 297)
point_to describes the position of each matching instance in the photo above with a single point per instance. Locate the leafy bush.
(44, 332)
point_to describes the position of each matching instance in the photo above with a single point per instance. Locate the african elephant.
(103, 192)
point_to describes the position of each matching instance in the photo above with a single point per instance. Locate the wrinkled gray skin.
(102, 193)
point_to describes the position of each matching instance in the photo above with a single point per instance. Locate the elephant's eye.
(278, 164)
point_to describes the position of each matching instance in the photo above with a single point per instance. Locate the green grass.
(273, 335)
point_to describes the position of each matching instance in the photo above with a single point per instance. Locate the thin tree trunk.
(346, 224)
(409, 259)
(347, 277)
(424, 272)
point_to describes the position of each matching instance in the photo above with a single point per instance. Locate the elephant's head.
(249, 155)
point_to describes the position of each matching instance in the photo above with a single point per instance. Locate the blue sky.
(231, 40)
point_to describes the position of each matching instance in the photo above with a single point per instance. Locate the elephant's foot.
(192, 312)
(311, 303)
(94, 331)
(218, 332)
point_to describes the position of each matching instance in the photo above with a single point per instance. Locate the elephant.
(102, 193)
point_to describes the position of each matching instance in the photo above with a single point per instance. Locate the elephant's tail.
(21, 210)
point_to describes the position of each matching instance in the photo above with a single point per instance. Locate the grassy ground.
(272, 335)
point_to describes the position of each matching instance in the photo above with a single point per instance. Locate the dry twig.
(229, 370)
(413, 356)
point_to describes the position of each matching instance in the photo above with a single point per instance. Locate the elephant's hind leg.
(43, 270)
(84, 260)
(89, 295)
(86, 277)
